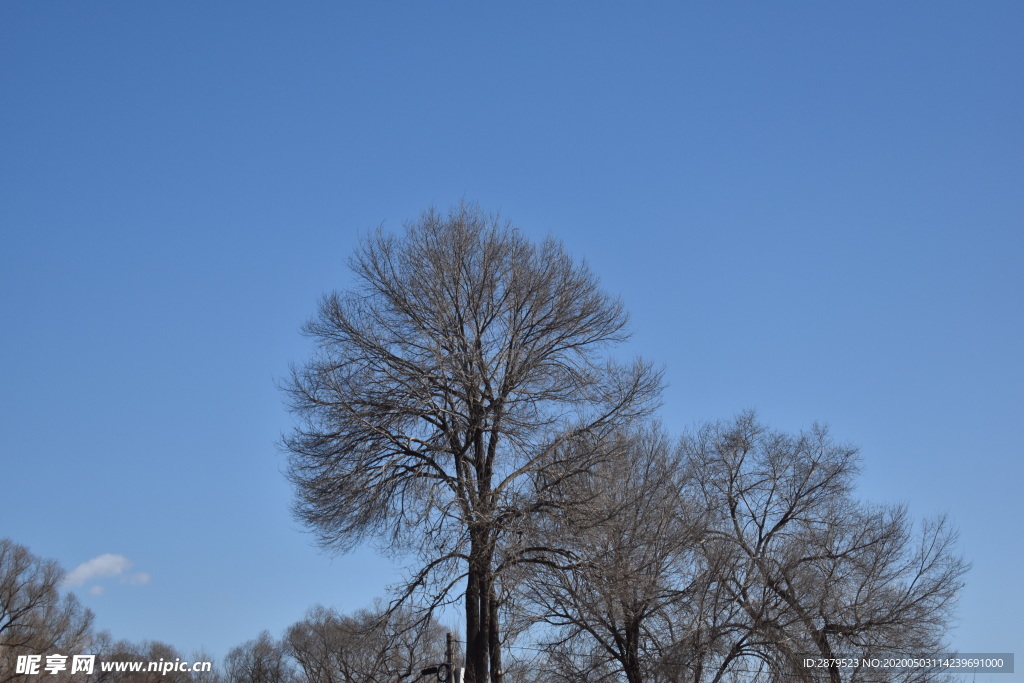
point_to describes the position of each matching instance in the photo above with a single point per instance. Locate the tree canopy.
(443, 385)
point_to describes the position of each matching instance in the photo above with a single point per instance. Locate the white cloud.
(97, 567)
(137, 579)
(96, 590)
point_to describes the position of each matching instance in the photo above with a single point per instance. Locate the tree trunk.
(485, 628)
(494, 636)
(474, 664)
(479, 619)
(632, 654)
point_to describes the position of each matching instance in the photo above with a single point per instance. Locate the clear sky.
(811, 209)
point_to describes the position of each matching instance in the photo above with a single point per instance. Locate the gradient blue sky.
(811, 209)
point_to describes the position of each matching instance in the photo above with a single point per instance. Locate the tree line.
(373, 645)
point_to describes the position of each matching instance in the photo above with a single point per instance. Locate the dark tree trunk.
(474, 663)
(485, 629)
(479, 619)
(632, 654)
(494, 637)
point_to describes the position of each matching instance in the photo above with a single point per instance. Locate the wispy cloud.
(97, 568)
(137, 579)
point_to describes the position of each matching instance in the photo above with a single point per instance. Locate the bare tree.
(147, 652)
(261, 660)
(814, 571)
(463, 359)
(623, 572)
(315, 643)
(734, 557)
(371, 646)
(211, 676)
(34, 618)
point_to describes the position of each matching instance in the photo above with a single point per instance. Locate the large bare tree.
(815, 572)
(463, 359)
(741, 553)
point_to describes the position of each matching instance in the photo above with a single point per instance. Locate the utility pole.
(446, 672)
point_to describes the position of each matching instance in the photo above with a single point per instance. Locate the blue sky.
(809, 209)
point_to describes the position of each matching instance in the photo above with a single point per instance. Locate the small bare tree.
(110, 651)
(315, 643)
(261, 660)
(465, 356)
(371, 646)
(34, 618)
